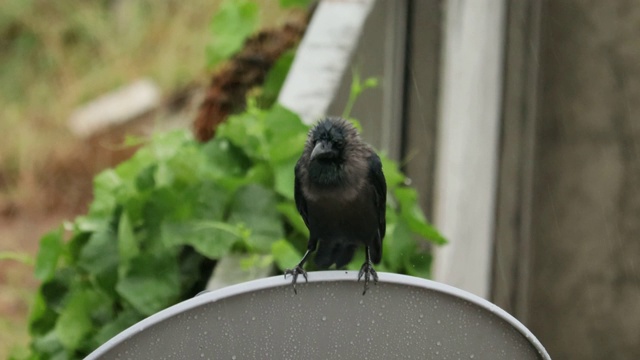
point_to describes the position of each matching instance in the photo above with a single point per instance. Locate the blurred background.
(516, 120)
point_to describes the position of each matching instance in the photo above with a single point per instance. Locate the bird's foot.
(295, 272)
(368, 272)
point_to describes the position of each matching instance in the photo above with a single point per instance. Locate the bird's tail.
(330, 253)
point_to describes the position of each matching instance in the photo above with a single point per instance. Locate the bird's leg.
(297, 271)
(368, 272)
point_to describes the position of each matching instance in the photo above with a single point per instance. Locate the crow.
(341, 194)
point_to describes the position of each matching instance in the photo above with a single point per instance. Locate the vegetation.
(159, 222)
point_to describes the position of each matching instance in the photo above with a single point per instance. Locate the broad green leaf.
(124, 319)
(48, 253)
(285, 178)
(245, 131)
(391, 172)
(105, 185)
(286, 134)
(223, 159)
(163, 147)
(261, 173)
(54, 291)
(425, 230)
(255, 207)
(75, 246)
(153, 284)
(210, 201)
(48, 346)
(414, 217)
(100, 258)
(234, 21)
(284, 254)
(145, 180)
(100, 254)
(213, 239)
(42, 318)
(75, 319)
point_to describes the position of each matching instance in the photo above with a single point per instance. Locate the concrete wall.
(584, 298)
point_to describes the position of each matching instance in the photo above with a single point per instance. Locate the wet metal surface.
(400, 317)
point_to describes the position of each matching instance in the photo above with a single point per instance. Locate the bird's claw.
(295, 272)
(368, 272)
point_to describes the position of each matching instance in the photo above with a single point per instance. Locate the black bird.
(341, 194)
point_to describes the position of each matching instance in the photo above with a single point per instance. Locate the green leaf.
(42, 318)
(255, 207)
(284, 254)
(414, 217)
(153, 284)
(285, 134)
(75, 319)
(100, 254)
(285, 178)
(234, 21)
(50, 249)
(75, 245)
(391, 171)
(100, 258)
(213, 239)
(245, 131)
(54, 291)
(49, 346)
(124, 320)
(105, 185)
(223, 158)
(146, 178)
(295, 3)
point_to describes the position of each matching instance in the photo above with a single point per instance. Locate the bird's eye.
(339, 144)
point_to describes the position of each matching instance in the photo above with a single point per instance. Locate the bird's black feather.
(340, 192)
(380, 185)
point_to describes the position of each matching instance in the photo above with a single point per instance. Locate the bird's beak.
(321, 149)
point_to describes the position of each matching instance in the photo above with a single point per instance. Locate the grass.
(56, 55)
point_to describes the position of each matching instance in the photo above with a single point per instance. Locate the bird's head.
(329, 138)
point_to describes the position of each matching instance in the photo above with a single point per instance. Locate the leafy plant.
(160, 221)
(159, 218)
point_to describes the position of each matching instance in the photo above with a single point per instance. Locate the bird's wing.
(301, 202)
(380, 185)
